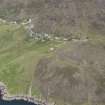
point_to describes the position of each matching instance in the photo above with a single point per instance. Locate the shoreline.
(24, 98)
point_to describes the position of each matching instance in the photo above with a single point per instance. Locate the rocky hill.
(61, 17)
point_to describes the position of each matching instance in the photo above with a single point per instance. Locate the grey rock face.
(61, 17)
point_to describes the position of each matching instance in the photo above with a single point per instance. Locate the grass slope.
(18, 56)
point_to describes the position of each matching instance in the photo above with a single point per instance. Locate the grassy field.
(18, 56)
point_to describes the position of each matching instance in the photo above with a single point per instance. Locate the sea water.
(16, 102)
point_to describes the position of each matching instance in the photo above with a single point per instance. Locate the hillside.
(54, 50)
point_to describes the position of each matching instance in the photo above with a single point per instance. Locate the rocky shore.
(5, 97)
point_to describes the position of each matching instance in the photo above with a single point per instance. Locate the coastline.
(24, 98)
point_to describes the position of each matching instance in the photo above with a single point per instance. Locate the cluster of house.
(29, 26)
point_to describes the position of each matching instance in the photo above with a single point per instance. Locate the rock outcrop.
(60, 17)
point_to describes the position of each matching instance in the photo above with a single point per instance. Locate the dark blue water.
(16, 102)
